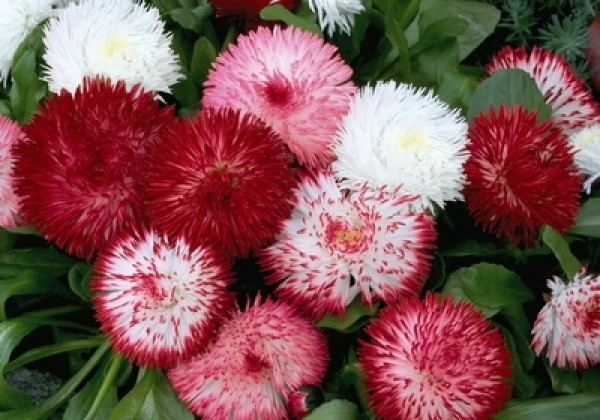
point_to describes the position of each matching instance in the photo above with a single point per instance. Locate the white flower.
(334, 14)
(586, 143)
(118, 39)
(400, 136)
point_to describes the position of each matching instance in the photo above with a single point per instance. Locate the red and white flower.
(10, 133)
(248, 9)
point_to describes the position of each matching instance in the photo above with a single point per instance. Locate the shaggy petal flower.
(586, 142)
(248, 9)
(436, 360)
(157, 300)
(117, 39)
(291, 79)
(572, 103)
(10, 133)
(78, 171)
(520, 174)
(215, 177)
(259, 357)
(568, 326)
(334, 14)
(400, 136)
(336, 246)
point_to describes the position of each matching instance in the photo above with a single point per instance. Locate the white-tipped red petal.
(10, 133)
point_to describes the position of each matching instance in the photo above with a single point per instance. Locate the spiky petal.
(586, 143)
(336, 14)
(10, 133)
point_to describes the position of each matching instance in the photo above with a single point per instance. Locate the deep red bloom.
(520, 175)
(221, 177)
(248, 9)
(78, 171)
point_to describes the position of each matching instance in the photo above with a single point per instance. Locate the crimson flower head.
(78, 171)
(434, 359)
(520, 175)
(10, 133)
(259, 358)
(221, 177)
(248, 9)
(158, 300)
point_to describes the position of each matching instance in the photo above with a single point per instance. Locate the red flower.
(520, 175)
(77, 173)
(434, 359)
(221, 177)
(248, 9)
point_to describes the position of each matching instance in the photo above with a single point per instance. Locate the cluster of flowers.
(334, 188)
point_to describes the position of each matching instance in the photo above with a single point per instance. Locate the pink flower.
(434, 359)
(221, 177)
(291, 79)
(259, 357)
(10, 133)
(568, 326)
(78, 171)
(158, 300)
(336, 246)
(572, 103)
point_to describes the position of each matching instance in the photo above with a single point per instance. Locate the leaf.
(590, 380)
(79, 278)
(582, 406)
(588, 219)
(27, 283)
(44, 260)
(82, 401)
(457, 89)
(129, 407)
(334, 410)
(524, 385)
(354, 312)
(515, 318)
(438, 60)
(279, 12)
(192, 19)
(27, 88)
(162, 404)
(7, 240)
(472, 248)
(203, 55)
(564, 380)
(555, 241)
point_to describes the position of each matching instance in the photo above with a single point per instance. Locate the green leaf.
(27, 283)
(192, 19)
(441, 30)
(203, 55)
(7, 240)
(590, 379)
(79, 279)
(457, 89)
(555, 241)
(508, 87)
(515, 318)
(5, 108)
(588, 219)
(187, 93)
(354, 312)
(334, 410)
(278, 12)
(44, 260)
(564, 380)
(582, 406)
(165, 6)
(162, 404)
(472, 248)
(27, 89)
(438, 60)
(130, 406)
(524, 385)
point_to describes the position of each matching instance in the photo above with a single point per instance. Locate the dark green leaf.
(354, 312)
(7, 240)
(334, 409)
(162, 404)
(516, 320)
(192, 19)
(524, 385)
(555, 241)
(457, 89)
(278, 12)
(187, 93)
(131, 404)
(165, 6)
(82, 401)
(472, 248)
(564, 380)
(441, 30)
(202, 58)
(438, 60)
(5, 108)
(27, 89)
(79, 279)
(44, 260)
(588, 219)
(27, 283)
(582, 406)
(590, 379)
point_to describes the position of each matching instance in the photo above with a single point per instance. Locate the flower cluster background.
(321, 209)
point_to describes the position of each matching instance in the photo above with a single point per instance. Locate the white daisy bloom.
(586, 143)
(333, 14)
(117, 39)
(402, 137)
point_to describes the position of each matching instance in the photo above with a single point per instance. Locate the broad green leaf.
(588, 219)
(524, 385)
(7, 240)
(44, 260)
(441, 30)
(27, 89)
(582, 406)
(203, 55)
(354, 312)
(79, 279)
(165, 6)
(472, 248)
(457, 89)
(590, 379)
(555, 241)
(564, 380)
(187, 93)
(131, 404)
(162, 404)
(515, 319)
(438, 60)
(334, 409)
(279, 12)
(192, 19)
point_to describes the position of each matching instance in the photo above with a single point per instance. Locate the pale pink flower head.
(10, 133)
(573, 104)
(158, 300)
(291, 79)
(434, 359)
(338, 245)
(568, 326)
(260, 356)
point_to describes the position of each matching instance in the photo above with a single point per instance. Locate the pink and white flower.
(10, 133)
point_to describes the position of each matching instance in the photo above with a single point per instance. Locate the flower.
(334, 14)
(293, 80)
(568, 326)
(434, 359)
(520, 174)
(304, 400)
(10, 133)
(586, 143)
(158, 300)
(78, 171)
(400, 136)
(17, 20)
(573, 105)
(248, 9)
(336, 246)
(259, 357)
(117, 39)
(222, 176)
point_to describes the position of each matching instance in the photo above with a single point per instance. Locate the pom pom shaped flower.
(434, 359)
(586, 143)
(248, 9)
(291, 79)
(573, 105)
(117, 39)
(400, 136)
(336, 246)
(568, 326)
(259, 357)
(78, 171)
(336, 14)
(520, 175)
(214, 178)
(10, 133)
(158, 300)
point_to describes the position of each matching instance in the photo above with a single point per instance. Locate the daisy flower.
(248, 9)
(10, 133)
(434, 359)
(568, 326)
(586, 143)
(336, 246)
(222, 176)
(336, 14)
(573, 105)
(117, 39)
(157, 299)
(520, 174)
(291, 79)
(260, 356)
(78, 171)
(401, 136)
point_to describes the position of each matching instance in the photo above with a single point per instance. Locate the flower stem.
(109, 379)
